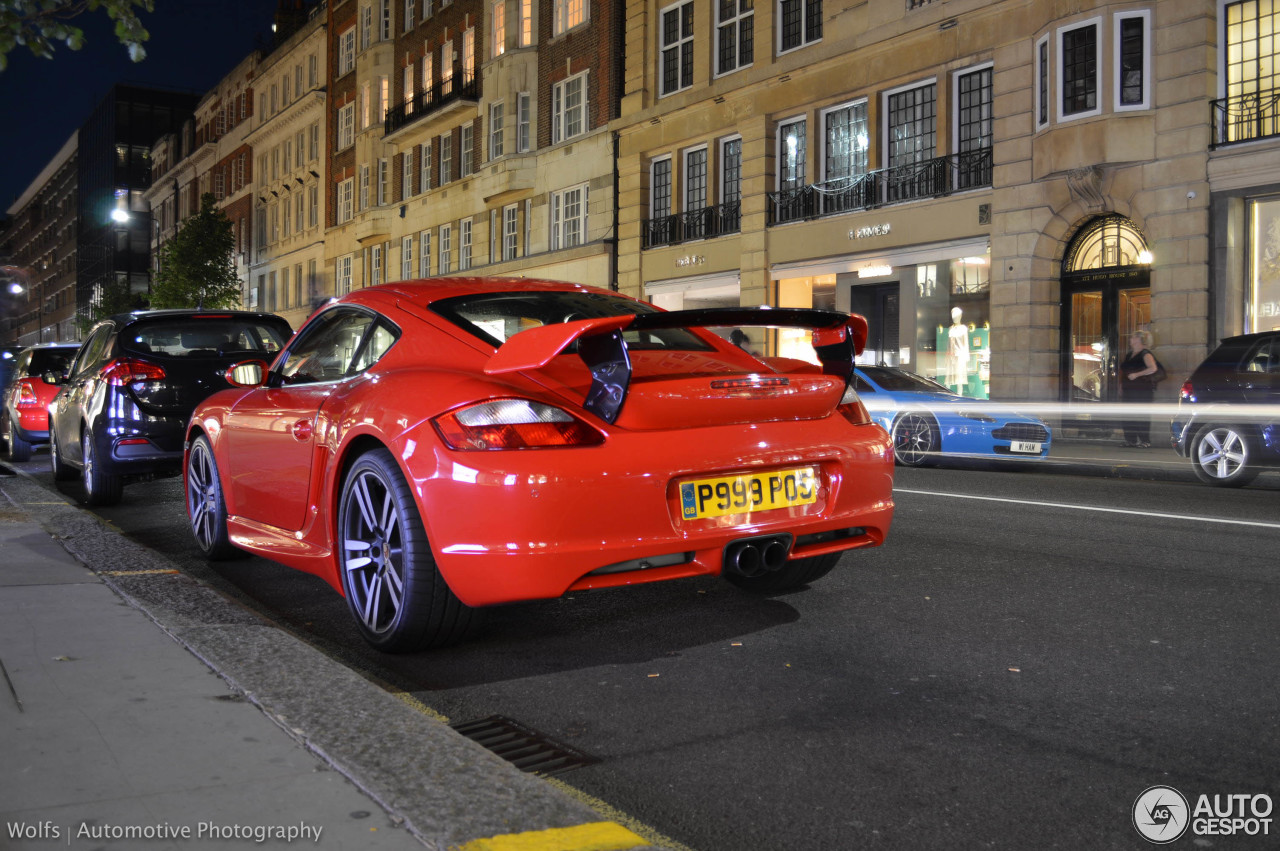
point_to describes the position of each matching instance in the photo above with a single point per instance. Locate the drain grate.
(526, 749)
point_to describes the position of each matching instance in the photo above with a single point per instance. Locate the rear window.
(497, 317)
(205, 337)
(50, 360)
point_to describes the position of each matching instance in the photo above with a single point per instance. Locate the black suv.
(1228, 420)
(122, 411)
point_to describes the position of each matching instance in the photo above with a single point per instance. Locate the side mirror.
(53, 378)
(249, 373)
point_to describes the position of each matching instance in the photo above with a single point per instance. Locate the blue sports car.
(928, 420)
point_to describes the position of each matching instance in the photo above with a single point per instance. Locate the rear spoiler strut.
(838, 338)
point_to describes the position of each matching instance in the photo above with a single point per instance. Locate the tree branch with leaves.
(40, 25)
(197, 266)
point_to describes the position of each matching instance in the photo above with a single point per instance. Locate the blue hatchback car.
(928, 420)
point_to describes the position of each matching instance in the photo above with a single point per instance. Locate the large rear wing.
(838, 338)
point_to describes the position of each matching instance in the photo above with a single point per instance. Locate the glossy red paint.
(518, 524)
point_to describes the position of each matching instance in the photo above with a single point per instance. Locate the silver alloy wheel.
(204, 495)
(1222, 456)
(99, 488)
(19, 449)
(914, 440)
(373, 551)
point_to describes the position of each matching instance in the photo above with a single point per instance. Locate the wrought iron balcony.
(930, 179)
(705, 223)
(431, 100)
(1245, 118)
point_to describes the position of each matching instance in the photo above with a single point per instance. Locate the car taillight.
(852, 409)
(27, 394)
(123, 371)
(513, 424)
(1188, 393)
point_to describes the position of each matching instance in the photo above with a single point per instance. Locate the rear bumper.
(130, 448)
(508, 526)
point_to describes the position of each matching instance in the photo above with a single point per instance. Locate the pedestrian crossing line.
(598, 836)
(1158, 515)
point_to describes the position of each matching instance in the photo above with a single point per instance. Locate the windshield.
(496, 317)
(897, 380)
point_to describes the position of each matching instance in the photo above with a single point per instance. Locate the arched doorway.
(1106, 295)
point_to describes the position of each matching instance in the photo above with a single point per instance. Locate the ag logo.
(1161, 814)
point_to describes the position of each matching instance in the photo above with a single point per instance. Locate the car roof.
(186, 313)
(62, 344)
(424, 292)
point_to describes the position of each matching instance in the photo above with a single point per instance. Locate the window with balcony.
(846, 141)
(800, 23)
(446, 68)
(468, 55)
(408, 77)
(676, 48)
(735, 34)
(791, 155)
(695, 194)
(912, 143)
(1251, 71)
(974, 131)
(569, 108)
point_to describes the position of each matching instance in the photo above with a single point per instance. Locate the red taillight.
(123, 371)
(513, 424)
(1188, 393)
(852, 409)
(27, 394)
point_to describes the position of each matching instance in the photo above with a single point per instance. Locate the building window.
(313, 205)
(375, 265)
(496, 112)
(526, 22)
(424, 169)
(366, 27)
(695, 180)
(384, 182)
(464, 245)
(731, 170)
(569, 217)
(1078, 83)
(407, 76)
(845, 141)
(1133, 58)
(912, 142)
(524, 121)
(676, 48)
(446, 158)
(735, 35)
(384, 31)
(346, 191)
(569, 14)
(974, 133)
(342, 274)
(446, 67)
(791, 155)
(467, 151)
(406, 176)
(660, 189)
(1042, 82)
(364, 186)
(347, 51)
(346, 126)
(406, 258)
(410, 14)
(801, 23)
(424, 254)
(446, 249)
(468, 55)
(569, 108)
(427, 73)
(510, 223)
(498, 29)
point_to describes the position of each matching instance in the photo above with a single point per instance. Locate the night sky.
(193, 45)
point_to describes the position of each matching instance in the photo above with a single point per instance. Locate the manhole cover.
(526, 749)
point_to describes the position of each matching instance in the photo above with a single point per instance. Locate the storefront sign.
(690, 260)
(869, 230)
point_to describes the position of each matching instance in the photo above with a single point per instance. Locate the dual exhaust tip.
(752, 557)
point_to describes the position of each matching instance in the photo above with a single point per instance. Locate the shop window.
(1263, 310)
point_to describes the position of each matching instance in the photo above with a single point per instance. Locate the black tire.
(802, 571)
(206, 507)
(916, 440)
(400, 601)
(99, 488)
(1222, 455)
(19, 449)
(62, 472)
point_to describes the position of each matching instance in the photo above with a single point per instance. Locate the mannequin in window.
(957, 353)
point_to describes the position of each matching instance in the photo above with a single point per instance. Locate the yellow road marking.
(651, 836)
(418, 706)
(600, 836)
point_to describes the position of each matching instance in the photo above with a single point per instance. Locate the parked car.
(25, 406)
(432, 447)
(1228, 419)
(928, 420)
(122, 412)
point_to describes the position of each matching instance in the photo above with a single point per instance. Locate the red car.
(27, 396)
(432, 447)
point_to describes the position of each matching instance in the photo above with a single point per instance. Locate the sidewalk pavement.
(142, 709)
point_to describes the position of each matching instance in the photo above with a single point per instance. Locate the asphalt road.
(1026, 655)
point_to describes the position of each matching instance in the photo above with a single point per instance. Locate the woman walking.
(1138, 388)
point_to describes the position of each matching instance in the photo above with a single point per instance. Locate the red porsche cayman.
(432, 447)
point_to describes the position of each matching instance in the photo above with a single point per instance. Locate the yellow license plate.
(748, 493)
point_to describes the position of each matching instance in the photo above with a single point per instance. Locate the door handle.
(302, 430)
